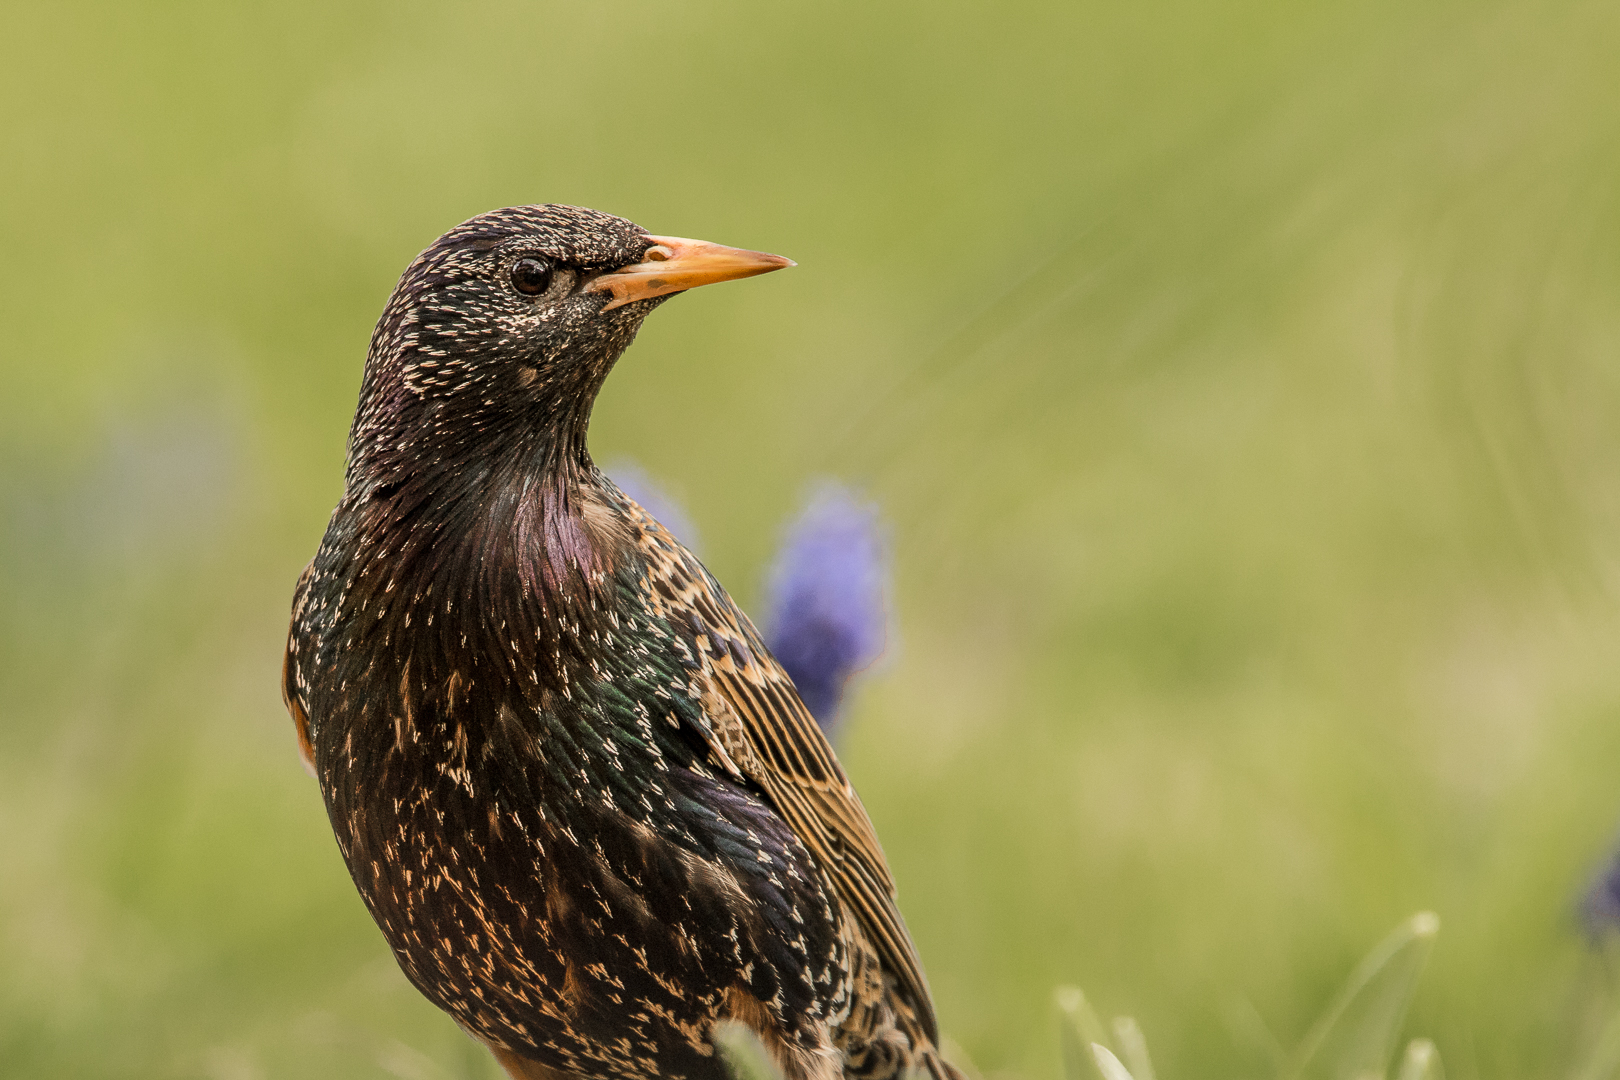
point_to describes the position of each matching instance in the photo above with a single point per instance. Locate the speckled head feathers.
(493, 338)
(571, 234)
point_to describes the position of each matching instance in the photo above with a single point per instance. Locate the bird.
(582, 801)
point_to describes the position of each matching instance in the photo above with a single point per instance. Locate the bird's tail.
(911, 1053)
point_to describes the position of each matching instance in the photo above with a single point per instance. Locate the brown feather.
(759, 723)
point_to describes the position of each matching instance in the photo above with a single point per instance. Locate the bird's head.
(500, 334)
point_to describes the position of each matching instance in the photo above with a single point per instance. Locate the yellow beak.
(674, 264)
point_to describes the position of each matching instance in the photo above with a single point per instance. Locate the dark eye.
(531, 276)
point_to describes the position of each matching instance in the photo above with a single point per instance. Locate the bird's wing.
(762, 730)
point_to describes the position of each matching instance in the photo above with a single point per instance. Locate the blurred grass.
(1354, 1039)
(1241, 380)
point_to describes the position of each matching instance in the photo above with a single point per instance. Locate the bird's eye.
(531, 276)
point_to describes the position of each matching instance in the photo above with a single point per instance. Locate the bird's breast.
(540, 862)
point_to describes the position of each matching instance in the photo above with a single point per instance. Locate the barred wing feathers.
(761, 730)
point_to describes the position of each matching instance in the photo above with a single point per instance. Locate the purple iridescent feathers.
(826, 611)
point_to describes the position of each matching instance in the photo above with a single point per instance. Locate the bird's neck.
(520, 534)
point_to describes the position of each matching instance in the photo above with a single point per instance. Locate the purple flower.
(826, 615)
(634, 482)
(1600, 907)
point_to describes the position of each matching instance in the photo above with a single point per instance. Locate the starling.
(582, 801)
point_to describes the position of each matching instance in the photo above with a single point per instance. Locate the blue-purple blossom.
(634, 482)
(1600, 907)
(826, 615)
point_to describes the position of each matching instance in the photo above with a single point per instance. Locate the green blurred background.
(1242, 383)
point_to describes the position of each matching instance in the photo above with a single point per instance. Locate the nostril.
(656, 253)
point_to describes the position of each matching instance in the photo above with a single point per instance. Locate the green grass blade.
(1109, 1065)
(1133, 1047)
(1421, 1062)
(744, 1054)
(1355, 1038)
(1078, 1028)
(1250, 1034)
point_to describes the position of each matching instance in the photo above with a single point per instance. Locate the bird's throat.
(504, 553)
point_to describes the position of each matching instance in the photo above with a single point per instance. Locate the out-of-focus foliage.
(1241, 380)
